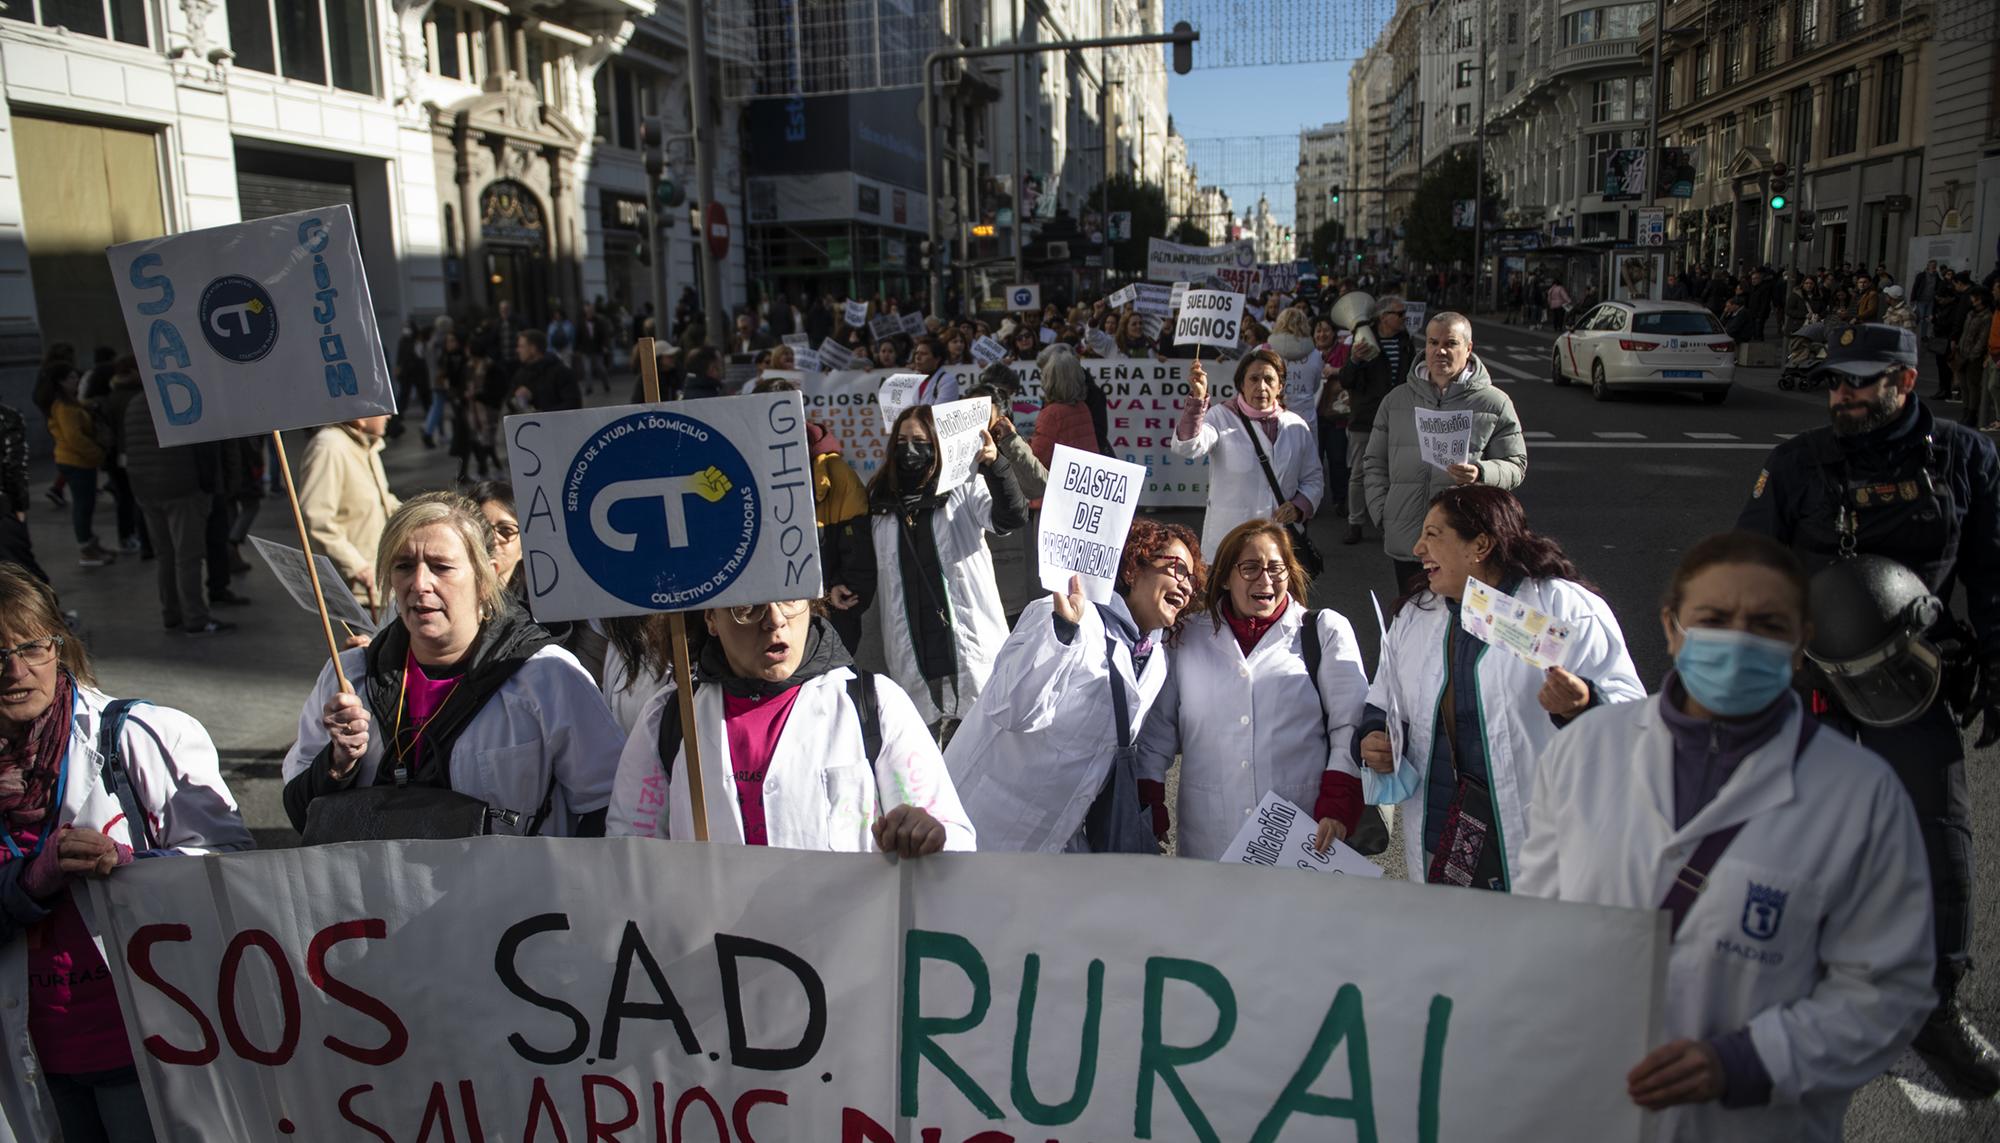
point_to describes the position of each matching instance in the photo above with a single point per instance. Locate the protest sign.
(1155, 300)
(885, 327)
(1210, 317)
(959, 425)
(807, 360)
(739, 372)
(854, 313)
(1173, 262)
(1123, 296)
(899, 392)
(1086, 512)
(1281, 834)
(1500, 620)
(797, 341)
(1176, 296)
(535, 988)
(1280, 276)
(913, 325)
(1100, 342)
(834, 356)
(1414, 319)
(641, 508)
(986, 351)
(289, 565)
(255, 326)
(1152, 325)
(1444, 436)
(1024, 297)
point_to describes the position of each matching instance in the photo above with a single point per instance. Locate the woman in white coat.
(942, 622)
(1243, 709)
(70, 1071)
(1473, 718)
(1037, 759)
(1801, 967)
(1238, 490)
(797, 749)
(459, 690)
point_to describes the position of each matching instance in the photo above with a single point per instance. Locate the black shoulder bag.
(1302, 545)
(1117, 822)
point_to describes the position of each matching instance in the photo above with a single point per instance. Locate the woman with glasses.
(797, 749)
(1045, 760)
(70, 1072)
(1472, 718)
(942, 621)
(1245, 709)
(460, 689)
(1800, 968)
(1242, 438)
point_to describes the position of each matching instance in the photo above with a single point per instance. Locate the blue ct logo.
(238, 319)
(661, 510)
(1763, 909)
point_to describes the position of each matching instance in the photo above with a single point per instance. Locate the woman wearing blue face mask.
(1787, 859)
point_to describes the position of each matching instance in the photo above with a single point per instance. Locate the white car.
(1647, 345)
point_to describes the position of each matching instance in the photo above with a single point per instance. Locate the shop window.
(121, 20)
(325, 42)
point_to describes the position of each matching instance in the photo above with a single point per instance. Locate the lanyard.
(62, 785)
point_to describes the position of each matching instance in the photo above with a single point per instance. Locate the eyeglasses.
(33, 653)
(1838, 380)
(506, 533)
(1173, 567)
(786, 609)
(1253, 571)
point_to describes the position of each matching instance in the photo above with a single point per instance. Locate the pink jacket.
(1063, 424)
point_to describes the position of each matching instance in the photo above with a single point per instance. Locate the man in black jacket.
(545, 383)
(1368, 377)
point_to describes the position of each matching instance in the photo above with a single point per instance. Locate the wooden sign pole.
(312, 566)
(649, 374)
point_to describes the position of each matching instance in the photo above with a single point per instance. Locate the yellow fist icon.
(711, 485)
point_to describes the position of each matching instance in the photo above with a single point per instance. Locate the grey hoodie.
(1399, 482)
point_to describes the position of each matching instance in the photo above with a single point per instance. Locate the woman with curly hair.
(1046, 761)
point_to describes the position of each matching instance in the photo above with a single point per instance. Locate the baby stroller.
(1803, 350)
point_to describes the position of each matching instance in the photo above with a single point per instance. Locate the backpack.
(1370, 836)
(116, 779)
(860, 691)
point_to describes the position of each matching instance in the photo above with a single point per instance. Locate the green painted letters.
(920, 945)
(1159, 1061)
(1344, 1021)
(1433, 1076)
(1034, 1110)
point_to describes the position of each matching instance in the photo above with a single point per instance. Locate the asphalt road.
(1624, 485)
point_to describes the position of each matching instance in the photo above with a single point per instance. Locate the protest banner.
(913, 325)
(538, 989)
(1155, 300)
(885, 327)
(1086, 512)
(1100, 343)
(289, 565)
(959, 425)
(986, 351)
(1280, 276)
(1172, 262)
(1281, 835)
(253, 327)
(797, 341)
(1210, 317)
(635, 508)
(1444, 436)
(898, 392)
(1499, 620)
(1121, 297)
(853, 313)
(834, 356)
(807, 360)
(1024, 297)
(1176, 296)
(1302, 382)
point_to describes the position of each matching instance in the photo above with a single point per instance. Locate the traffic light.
(1806, 220)
(924, 248)
(671, 194)
(1333, 193)
(1183, 48)
(1779, 184)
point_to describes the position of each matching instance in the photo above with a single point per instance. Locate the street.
(1625, 485)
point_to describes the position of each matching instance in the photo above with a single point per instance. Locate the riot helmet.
(1871, 617)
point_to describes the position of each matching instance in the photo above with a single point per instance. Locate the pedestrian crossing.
(1617, 438)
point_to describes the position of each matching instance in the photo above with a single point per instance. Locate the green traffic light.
(1778, 202)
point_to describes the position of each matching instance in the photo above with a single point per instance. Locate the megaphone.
(1351, 313)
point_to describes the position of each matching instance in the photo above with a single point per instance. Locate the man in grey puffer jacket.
(1400, 483)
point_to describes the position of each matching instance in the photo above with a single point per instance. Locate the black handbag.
(403, 812)
(1302, 546)
(1117, 822)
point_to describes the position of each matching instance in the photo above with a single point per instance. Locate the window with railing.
(120, 20)
(1848, 16)
(1889, 108)
(1799, 133)
(1731, 140)
(325, 42)
(1732, 56)
(1843, 112)
(1805, 25)
(623, 98)
(1704, 73)
(1767, 39)
(1670, 80)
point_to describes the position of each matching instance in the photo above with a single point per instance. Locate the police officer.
(1888, 478)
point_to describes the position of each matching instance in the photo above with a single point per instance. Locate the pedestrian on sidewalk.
(345, 497)
(124, 387)
(176, 490)
(1969, 354)
(80, 452)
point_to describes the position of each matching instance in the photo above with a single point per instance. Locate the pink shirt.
(72, 1005)
(424, 696)
(753, 726)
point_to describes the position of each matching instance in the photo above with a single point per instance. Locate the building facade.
(1368, 90)
(1449, 75)
(1322, 170)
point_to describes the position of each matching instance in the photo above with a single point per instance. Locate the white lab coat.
(1036, 749)
(1517, 728)
(1248, 725)
(1831, 997)
(972, 596)
(549, 719)
(1237, 490)
(624, 693)
(177, 778)
(821, 790)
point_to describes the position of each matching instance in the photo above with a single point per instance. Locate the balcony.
(1596, 54)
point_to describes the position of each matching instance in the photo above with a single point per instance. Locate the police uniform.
(1924, 492)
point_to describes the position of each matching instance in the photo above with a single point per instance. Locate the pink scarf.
(1266, 419)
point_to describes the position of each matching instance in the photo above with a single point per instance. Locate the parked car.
(1675, 346)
